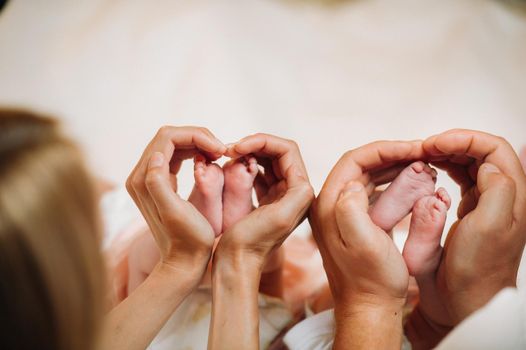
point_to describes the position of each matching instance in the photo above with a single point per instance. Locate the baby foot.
(207, 193)
(422, 249)
(396, 202)
(237, 194)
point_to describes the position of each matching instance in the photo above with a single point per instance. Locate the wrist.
(369, 324)
(422, 332)
(185, 274)
(235, 284)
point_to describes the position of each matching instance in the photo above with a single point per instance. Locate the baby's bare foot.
(396, 202)
(422, 249)
(207, 194)
(237, 194)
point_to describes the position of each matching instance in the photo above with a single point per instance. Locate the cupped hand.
(184, 236)
(366, 272)
(362, 262)
(484, 246)
(284, 194)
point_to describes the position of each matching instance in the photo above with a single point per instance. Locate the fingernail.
(230, 145)
(490, 168)
(156, 160)
(354, 187)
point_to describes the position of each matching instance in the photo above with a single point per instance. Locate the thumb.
(494, 211)
(356, 227)
(157, 182)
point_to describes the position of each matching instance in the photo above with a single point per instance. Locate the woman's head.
(51, 280)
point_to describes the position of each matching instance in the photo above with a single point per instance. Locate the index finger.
(285, 152)
(355, 165)
(187, 139)
(477, 145)
(374, 156)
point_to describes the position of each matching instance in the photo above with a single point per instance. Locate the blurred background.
(331, 75)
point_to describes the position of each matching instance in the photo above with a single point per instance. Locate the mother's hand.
(184, 236)
(484, 246)
(285, 195)
(366, 272)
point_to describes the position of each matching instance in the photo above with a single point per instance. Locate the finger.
(290, 210)
(260, 185)
(468, 202)
(355, 225)
(286, 152)
(477, 145)
(353, 166)
(457, 173)
(158, 184)
(494, 212)
(374, 156)
(523, 157)
(186, 140)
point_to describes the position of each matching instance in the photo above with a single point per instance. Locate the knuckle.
(164, 130)
(292, 143)
(136, 183)
(307, 192)
(152, 179)
(505, 183)
(259, 135)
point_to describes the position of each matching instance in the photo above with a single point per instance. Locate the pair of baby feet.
(413, 190)
(223, 195)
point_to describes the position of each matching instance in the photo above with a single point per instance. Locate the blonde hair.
(51, 272)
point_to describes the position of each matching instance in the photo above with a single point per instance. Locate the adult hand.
(366, 272)
(184, 236)
(285, 195)
(484, 246)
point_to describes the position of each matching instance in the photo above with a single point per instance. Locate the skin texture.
(184, 237)
(397, 201)
(367, 275)
(422, 250)
(206, 196)
(488, 237)
(285, 195)
(487, 240)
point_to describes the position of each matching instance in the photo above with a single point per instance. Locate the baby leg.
(422, 249)
(397, 201)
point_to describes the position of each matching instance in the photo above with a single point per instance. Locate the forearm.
(421, 333)
(135, 322)
(235, 311)
(368, 327)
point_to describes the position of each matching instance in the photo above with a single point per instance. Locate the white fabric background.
(330, 77)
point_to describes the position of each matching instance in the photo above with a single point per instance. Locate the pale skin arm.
(241, 253)
(135, 322)
(184, 238)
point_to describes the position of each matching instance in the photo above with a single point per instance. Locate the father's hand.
(366, 272)
(484, 247)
